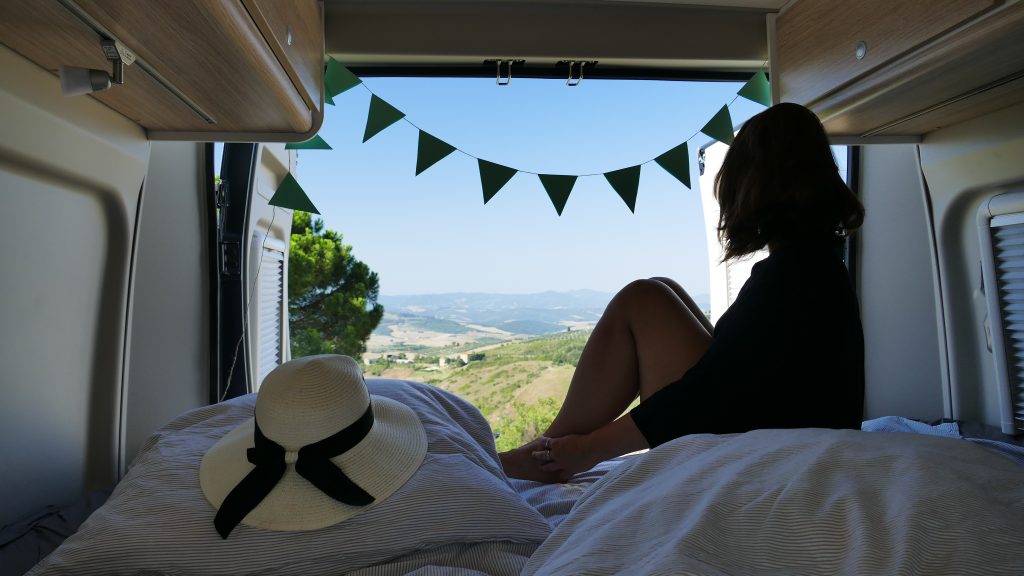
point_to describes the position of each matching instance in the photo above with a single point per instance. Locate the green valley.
(518, 386)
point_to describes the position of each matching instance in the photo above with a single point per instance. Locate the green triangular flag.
(314, 143)
(558, 188)
(493, 177)
(337, 79)
(677, 163)
(757, 89)
(380, 117)
(290, 195)
(430, 151)
(328, 99)
(626, 182)
(720, 126)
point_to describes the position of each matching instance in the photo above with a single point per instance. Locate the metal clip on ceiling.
(504, 80)
(508, 80)
(575, 80)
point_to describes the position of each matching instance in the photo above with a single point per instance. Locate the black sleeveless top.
(789, 353)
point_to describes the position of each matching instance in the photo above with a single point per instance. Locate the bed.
(805, 501)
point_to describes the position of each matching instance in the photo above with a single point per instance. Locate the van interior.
(129, 293)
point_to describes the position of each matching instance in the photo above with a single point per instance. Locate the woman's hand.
(520, 463)
(567, 455)
(575, 453)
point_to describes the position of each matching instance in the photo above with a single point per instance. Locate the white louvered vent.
(271, 310)
(1008, 258)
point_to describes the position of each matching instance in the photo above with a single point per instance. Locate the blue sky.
(432, 233)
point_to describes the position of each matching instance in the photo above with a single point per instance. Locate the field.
(518, 386)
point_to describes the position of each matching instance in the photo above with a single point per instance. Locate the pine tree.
(332, 296)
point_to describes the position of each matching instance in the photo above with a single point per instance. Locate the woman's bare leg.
(686, 299)
(647, 337)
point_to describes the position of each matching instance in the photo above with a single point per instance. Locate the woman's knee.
(643, 291)
(672, 285)
(640, 287)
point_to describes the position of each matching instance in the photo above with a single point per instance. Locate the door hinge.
(220, 194)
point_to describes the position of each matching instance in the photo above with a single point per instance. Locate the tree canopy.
(332, 296)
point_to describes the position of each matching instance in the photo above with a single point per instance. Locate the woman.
(788, 353)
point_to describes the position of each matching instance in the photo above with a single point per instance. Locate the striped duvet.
(798, 502)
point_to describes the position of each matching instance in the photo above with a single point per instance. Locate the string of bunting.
(494, 176)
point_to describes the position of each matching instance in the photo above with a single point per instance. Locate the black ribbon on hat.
(313, 464)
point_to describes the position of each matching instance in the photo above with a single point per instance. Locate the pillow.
(158, 521)
(798, 502)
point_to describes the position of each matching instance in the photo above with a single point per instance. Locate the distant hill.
(492, 309)
(479, 300)
(533, 327)
(434, 320)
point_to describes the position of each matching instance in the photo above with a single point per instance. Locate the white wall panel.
(169, 354)
(901, 343)
(70, 175)
(965, 164)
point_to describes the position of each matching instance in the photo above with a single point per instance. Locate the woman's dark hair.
(779, 183)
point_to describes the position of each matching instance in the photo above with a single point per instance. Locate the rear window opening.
(494, 301)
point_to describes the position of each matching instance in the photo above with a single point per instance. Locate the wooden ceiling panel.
(295, 31)
(240, 70)
(212, 51)
(817, 40)
(49, 35)
(954, 76)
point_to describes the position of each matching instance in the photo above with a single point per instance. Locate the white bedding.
(458, 515)
(786, 502)
(794, 502)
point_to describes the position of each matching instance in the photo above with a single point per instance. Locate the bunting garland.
(677, 163)
(290, 195)
(558, 187)
(430, 151)
(757, 89)
(493, 176)
(338, 79)
(626, 182)
(314, 143)
(720, 126)
(381, 116)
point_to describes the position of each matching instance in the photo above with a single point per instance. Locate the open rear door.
(251, 298)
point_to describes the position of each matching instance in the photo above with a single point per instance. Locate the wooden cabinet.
(295, 31)
(881, 68)
(207, 69)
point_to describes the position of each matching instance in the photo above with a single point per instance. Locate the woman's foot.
(520, 463)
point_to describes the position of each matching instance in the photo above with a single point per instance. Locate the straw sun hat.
(327, 450)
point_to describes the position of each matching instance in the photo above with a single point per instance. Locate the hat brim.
(381, 464)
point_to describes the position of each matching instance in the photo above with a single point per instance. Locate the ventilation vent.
(1002, 242)
(271, 311)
